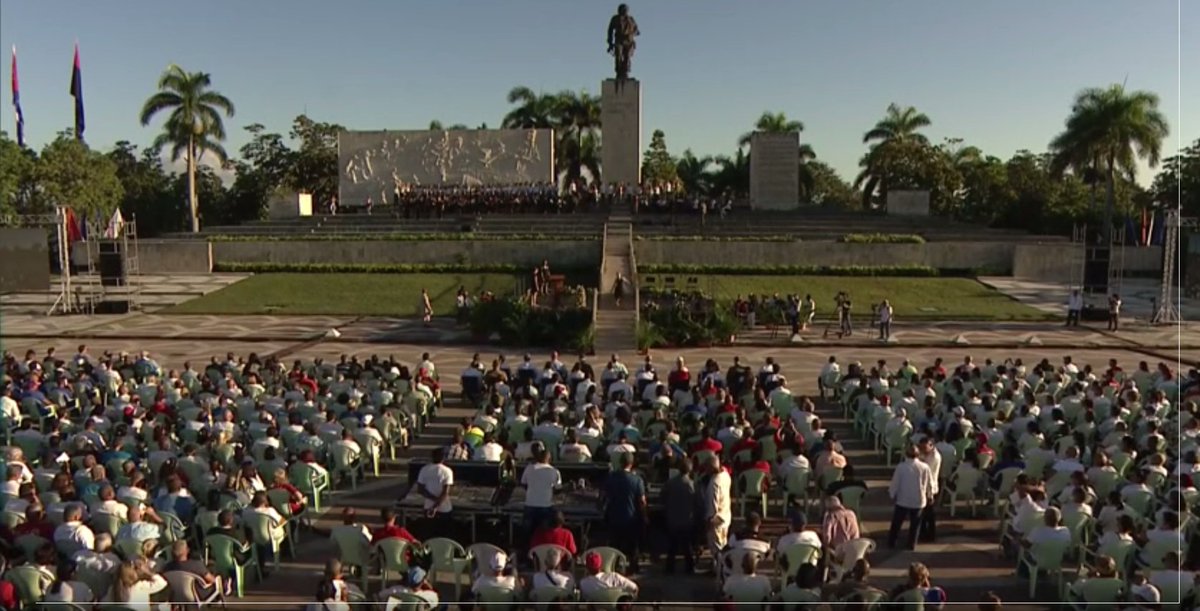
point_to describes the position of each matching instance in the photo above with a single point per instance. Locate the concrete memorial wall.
(24, 259)
(621, 131)
(908, 203)
(774, 171)
(374, 163)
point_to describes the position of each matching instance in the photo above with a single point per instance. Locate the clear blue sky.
(999, 74)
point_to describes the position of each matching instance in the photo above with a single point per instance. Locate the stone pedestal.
(774, 171)
(621, 131)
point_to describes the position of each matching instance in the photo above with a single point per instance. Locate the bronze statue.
(621, 32)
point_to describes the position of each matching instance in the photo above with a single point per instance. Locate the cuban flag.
(16, 90)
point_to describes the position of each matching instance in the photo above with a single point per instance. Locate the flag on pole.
(115, 225)
(16, 90)
(73, 232)
(83, 228)
(77, 93)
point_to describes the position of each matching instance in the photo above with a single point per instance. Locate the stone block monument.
(774, 171)
(621, 131)
(908, 203)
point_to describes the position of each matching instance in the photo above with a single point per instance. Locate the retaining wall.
(24, 259)
(378, 252)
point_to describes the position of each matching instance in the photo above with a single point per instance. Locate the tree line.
(1086, 174)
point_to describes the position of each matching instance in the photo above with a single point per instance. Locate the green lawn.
(343, 294)
(911, 298)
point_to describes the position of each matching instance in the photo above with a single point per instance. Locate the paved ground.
(964, 561)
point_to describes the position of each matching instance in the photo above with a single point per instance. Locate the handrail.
(600, 280)
(633, 279)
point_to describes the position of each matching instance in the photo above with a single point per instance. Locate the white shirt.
(435, 478)
(912, 484)
(599, 582)
(98, 562)
(934, 460)
(489, 452)
(797, 461)
(76, 533)
(540, 481)
(717, 495)
(806, 537)
(744, 583)
(1046, 534)
(507, 582)
(553, 579)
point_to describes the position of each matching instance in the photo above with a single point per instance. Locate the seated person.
(854, 586)
(416, 582)
(598, 581)
(555, 532)
(496, 575)
(756, 587)
(180, 561)
(552, 577)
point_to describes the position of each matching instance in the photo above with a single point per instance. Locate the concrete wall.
(174, 256)
(379, 252)
(1042, 261)
(24, 259)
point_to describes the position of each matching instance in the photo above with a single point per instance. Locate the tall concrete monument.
(774, 171)
(621, 106)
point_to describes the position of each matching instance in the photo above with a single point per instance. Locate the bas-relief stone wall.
(24, 259)
(374, 163)
(379, 252)
(774, 171)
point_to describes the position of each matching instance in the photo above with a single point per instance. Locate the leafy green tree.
(194, 125)
(315, 164)
(1113, 128)
(1179, 181)
(533, 110)
(829, 189)
(148, 190)
(16, 177)
(778, 123)
(215, 203)
(69, 173)
(575, 119)
(658, 167)
(899, 126)
(732, 176)
(694, 173)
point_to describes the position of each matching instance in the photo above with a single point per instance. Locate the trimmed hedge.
(393, 268)
(916, 271)
(403, 237)
(518, 324)
(786, 237)
(881, 238)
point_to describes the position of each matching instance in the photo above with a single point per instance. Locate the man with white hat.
(493, 574)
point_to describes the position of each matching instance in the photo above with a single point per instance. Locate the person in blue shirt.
(625, 509)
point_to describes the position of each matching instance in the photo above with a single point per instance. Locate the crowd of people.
(120, 475)
(439, 201)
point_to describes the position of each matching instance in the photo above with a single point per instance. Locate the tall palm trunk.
(193, 208)
(1111, 204)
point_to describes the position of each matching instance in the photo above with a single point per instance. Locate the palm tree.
(1110, 129)
(193, 127)
(533, 111)
(694, 172)
(733, 174)
(898, 126)
(772, 123)
(577, 122)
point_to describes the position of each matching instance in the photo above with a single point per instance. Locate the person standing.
(426, 307)
(885, 320)
(845, 325)
(625, 509)
(911, 491)
(1114, 312)
(679, 499)
(931, 457)
(540, 480)
(434, 482)
(618, 289)
(718, 506)
(1074, 307)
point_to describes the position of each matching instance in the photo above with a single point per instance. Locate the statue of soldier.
(622, 30)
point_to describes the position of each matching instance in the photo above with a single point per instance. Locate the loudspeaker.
(466, 228)
(1095, 270)
(112, 264)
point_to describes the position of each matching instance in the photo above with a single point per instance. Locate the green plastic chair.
(406, 601)
(11, 520)
(1008, 479)
(310, 482)
(30, 544)
(1122, 552)
(346, 463)
(1080, 525)
(1046, 556)
(446, 555)
(744, 597)
(795, 597)
(1140, 502)
(281, 500)
(1171, 592)
(966, 483)
(753, 485)
(852, 497)
(393, 557)
(267, 532)
(497, 596)
(607, 598)
(910, 600)
(796, 487)
(796, 556)
(612, 560)
(551, 597)
(222, 550)
(827, 476)
(354, 550)
(895, 440)
(1098, 594)
(30, 583)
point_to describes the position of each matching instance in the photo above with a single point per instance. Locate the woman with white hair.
(15, 458)
(549, 575)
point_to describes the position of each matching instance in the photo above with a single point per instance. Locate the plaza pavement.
(965, 560)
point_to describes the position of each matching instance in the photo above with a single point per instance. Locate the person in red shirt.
(35, 524)
(296, 499)
(390, 530)
(706, 443)
(745, 443)
(680, 377)
(555, 533)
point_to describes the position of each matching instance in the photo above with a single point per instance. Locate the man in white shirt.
(100, 559)
(748, 582)
(489, 450)
(598, 581)
(911, 491)
(434, 482)
(718, 506)
(1050, 531)
(73, 535)
(930, 456)
(798, 534)
(1069, 463)
(540, 480)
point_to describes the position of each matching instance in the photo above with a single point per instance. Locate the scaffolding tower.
(1167, 310)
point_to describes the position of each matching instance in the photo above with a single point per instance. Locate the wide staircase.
(616, 326)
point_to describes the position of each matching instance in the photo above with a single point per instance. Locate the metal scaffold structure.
(1167, 312)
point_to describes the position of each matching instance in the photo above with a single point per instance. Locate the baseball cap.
(593, 561)
(499, 561)
(416, 575)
